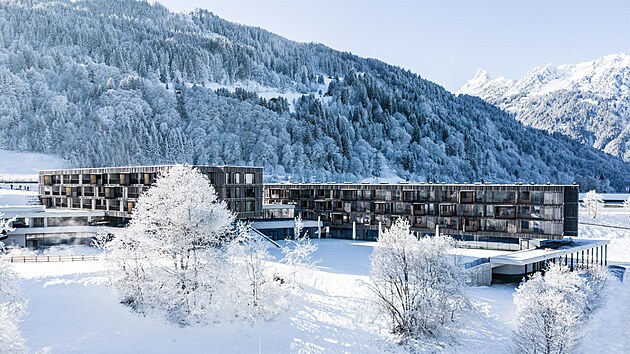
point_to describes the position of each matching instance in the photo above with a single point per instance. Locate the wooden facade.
(501, 212)
(115, 190)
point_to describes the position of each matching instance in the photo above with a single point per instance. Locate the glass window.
(505, 212)
(249, 205)
(237, 177)
(249, 178)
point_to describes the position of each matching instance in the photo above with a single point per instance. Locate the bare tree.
(298, 252)
(592, 202)
(552, 309)
(252, 291)
(417, 284)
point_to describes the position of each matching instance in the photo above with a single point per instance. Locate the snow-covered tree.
(596, 282)
(298, 252)
(168, 258)
(252, 291)
(550, 311)
(11, 311)
(592, 202)
(418, 286)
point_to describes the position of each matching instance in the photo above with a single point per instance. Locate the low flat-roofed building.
(36, 226)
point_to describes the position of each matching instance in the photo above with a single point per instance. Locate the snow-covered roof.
(540, 254)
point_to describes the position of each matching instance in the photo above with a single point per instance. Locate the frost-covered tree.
(298, 252)
(252, 291)
(418, 286)
(592, 202)
(168, 259)
(11, 311)
(596, 282)
(552, 309)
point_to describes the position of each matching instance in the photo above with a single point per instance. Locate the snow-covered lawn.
(28, 163)
(619, 248)
(72, 310)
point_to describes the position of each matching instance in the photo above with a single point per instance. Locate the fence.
(67, 258)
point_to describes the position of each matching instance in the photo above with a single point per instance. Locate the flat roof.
(540, 254)
(59, 230)
(138, 166)
(424, 184)
(39, 211)
(281, 224)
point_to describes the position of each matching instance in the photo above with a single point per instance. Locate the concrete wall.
(480, 275)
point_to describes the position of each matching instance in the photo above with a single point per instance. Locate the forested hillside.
(123, 82)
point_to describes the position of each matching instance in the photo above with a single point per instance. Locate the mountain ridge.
(588, 101)
(124, 82)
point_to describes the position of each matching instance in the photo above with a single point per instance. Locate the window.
(250, 192)
(524, 225)
(249, 205)
(237, 177)
(249, 178)
(228, 192)
(505, 212)
(466, 196)
(211, 177)
(447, 209)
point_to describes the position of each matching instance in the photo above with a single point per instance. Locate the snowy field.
(28, 163)
(619, 248)
(72, 310)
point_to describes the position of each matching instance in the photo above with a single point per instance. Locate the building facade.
(115, 190)
(480, 212)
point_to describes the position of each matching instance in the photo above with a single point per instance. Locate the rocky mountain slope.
(589, 102)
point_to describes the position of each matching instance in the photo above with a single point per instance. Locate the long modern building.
(115, 190)
(498, 215)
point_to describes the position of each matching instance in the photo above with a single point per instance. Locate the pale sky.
(444, 41)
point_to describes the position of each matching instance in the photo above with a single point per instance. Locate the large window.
(250, 205)
(249, 178)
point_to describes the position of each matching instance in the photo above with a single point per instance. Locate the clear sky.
(444, 41)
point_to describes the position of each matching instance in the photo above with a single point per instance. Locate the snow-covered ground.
(72, 310)
(28, 163)
(619, 248)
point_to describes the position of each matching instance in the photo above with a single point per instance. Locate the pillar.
(354, 230)
(319, 226)
(605, 255)
(45, 222)
(379, 229)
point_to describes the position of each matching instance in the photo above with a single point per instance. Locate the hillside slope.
(124, 82)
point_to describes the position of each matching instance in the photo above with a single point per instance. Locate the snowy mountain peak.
(588, 101)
